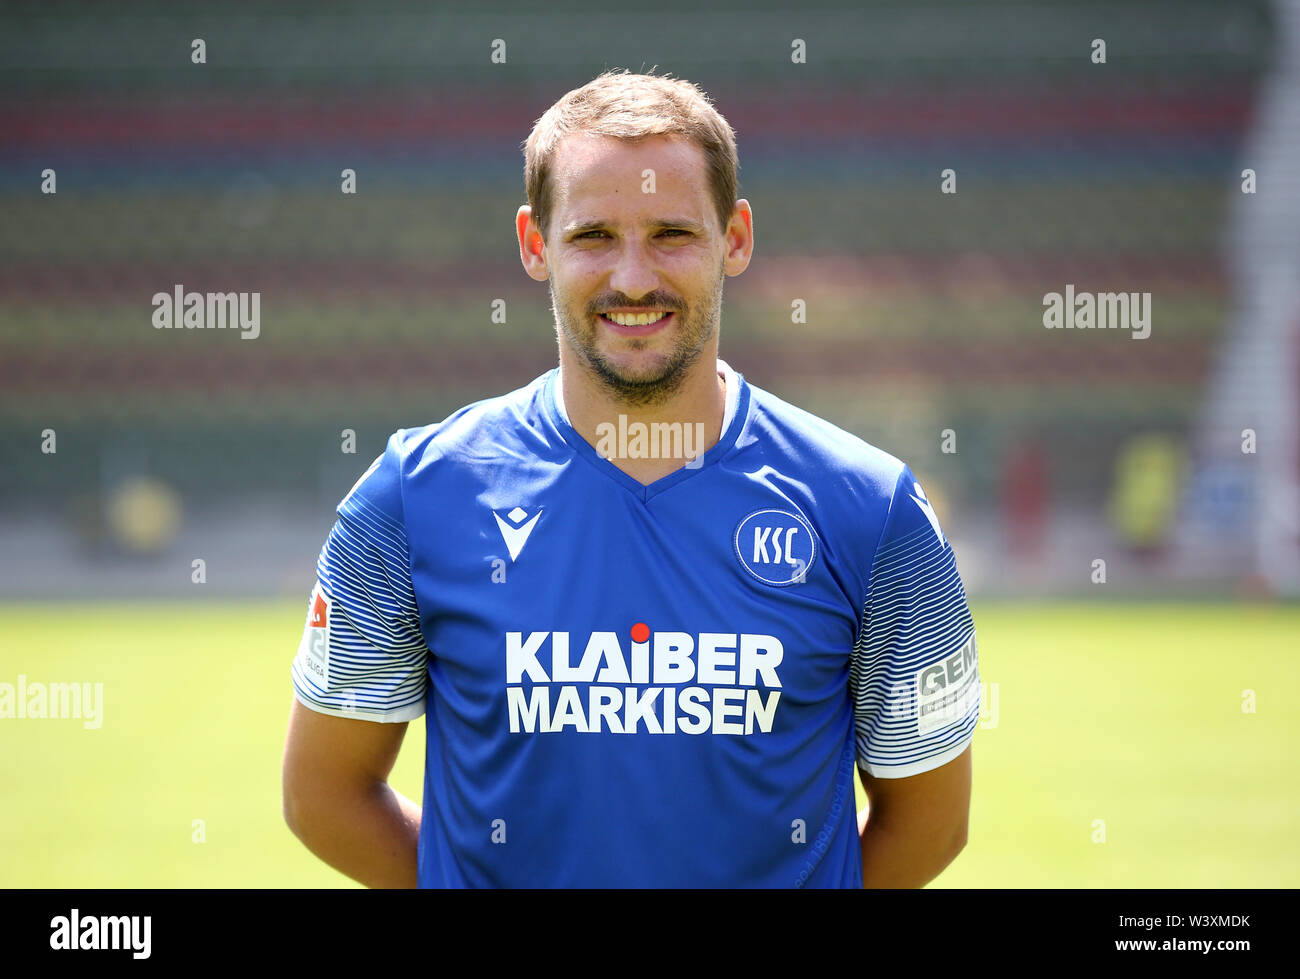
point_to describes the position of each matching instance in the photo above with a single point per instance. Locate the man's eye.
(675, 232)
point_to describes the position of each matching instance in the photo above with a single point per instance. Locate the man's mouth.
(637, 324)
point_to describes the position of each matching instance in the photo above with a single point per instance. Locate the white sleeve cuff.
(917, 767)
(408, 713)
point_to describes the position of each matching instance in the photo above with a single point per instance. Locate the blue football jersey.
(651, 686)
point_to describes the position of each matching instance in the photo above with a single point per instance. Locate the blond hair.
(626, 106)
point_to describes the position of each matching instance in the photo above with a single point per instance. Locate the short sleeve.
(362, 653)
(913, 675)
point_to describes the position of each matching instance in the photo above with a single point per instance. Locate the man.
(640, 668)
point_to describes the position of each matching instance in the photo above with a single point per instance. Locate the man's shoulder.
(478, 430)
(508, 425)
(817, 445)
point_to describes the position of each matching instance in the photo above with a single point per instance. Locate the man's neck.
(698, 407)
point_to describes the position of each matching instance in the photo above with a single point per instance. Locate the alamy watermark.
(651, 440)
(181, 310)
(1098, 311)
(39, 701)
(123, 932)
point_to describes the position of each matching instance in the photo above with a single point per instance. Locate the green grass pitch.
(1122, 719)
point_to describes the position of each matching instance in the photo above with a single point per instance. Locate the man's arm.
(337, 799)
(915, 826)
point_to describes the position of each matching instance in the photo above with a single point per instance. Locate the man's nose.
(634, 273)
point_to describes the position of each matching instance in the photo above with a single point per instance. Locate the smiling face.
(635, 277)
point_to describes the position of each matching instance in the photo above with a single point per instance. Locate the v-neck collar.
(644, 492)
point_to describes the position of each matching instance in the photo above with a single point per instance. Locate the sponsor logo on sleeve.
(948, 691)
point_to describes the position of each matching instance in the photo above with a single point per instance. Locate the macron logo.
(515, 528)
(918, 494)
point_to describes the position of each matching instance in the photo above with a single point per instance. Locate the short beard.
(648, 392)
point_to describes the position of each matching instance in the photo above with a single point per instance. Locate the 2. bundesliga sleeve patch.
(777, 547)
(314, 650)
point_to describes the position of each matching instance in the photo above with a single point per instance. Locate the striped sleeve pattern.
(376, 658)
(913, 674)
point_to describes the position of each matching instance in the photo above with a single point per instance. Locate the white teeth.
(636, 319)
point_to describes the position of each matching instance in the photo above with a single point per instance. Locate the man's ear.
(740, 238)
(532, 247)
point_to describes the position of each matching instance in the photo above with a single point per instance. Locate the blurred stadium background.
(924, 318)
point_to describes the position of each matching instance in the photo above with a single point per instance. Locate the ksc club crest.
(777, 547)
